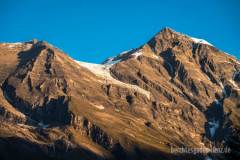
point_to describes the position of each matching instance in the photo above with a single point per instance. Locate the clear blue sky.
(92, 30)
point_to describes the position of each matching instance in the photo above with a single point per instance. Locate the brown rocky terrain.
(174, 91)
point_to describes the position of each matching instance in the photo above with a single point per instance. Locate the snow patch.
(237, 61)
(27, 46)
(197, 40)
(100, 107)
(233, 83)
(22, 125)
(155, 56)
(222, 86)
(16, 43)
(109, 60)
(208, 158)
(103, 71)
(137, 54)
(224, 92)
(13, 45)
(24, 45)
(112, 62)
(116, 59)
(225, 62)
(227, 53)
(218, 103)
(124, 52)
(42, 125)
(213, 127)
(98, 69)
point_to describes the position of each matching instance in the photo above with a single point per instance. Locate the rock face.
(174, 91)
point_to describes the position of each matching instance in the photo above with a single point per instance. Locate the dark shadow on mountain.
(54, 113)
(218, 123)
(12, 148)
(28, 55)
(225, 136)
(169, 64)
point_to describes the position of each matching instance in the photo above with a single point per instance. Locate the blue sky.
(93, 30)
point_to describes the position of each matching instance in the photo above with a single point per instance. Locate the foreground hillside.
(174, 91)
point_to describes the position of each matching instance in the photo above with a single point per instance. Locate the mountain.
(173, 92)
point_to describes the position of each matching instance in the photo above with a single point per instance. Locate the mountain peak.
(167, 30)
(169, 33)
(34, 41)
(168, 38)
